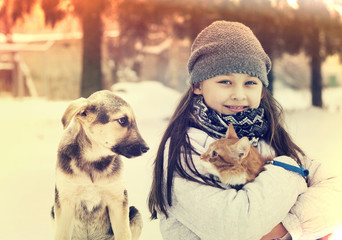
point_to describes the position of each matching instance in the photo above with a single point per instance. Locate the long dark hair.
(180, 148)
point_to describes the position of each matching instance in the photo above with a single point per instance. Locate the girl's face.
(232, 93)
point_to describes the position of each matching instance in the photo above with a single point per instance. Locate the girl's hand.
(277, 233)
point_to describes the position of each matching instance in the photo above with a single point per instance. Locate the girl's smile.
(232, 93)
(237, 109)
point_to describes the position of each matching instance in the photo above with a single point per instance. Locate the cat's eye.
(214, 154)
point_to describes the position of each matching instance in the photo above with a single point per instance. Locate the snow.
(51, 36)
(30, 131)
(39, 37)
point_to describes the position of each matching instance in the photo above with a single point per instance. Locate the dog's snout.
(144, 148)
(131, 150)
(138, 149)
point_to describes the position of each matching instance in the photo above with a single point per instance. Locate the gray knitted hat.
(227, 47)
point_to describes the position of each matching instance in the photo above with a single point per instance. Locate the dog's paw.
(135, 222)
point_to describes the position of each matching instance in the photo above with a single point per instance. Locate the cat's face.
(225, 158)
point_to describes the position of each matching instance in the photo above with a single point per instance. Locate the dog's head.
(107, 121)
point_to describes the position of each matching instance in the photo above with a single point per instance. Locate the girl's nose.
(238, 94)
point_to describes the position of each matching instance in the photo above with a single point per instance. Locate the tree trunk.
(316, 73)
(268, 45)
(91, 80)
(270, 77)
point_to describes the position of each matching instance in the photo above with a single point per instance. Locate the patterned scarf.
(250, 123)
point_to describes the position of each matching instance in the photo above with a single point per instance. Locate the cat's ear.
(243, 147)
(231, 134)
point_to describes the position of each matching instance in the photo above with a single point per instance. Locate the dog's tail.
(135, 222)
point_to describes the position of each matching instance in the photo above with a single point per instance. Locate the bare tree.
(90, 13)
(320, 34)
(10, 12)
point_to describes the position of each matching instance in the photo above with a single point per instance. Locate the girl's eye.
(225, 82)
(250, 83)
(123, 121)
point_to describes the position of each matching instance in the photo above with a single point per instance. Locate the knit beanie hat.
(227, 47)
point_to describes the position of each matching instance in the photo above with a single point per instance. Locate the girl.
(228, 75)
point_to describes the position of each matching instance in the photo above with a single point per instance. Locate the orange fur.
(235, 161)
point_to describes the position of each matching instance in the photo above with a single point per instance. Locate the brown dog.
(91, 201)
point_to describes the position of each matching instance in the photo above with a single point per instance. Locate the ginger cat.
(235, 161)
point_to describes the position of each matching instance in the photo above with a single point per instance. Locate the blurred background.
(63, 49)
(53, 51)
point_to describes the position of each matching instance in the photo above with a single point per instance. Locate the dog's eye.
(123, 121)
(214, 154)
(84, 113)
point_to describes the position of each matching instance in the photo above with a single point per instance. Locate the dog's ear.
(74, 107)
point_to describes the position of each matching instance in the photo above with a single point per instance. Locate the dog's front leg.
(64, 217)
(119, 217)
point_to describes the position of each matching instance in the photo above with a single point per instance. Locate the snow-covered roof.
(41, 37)
(19, 47)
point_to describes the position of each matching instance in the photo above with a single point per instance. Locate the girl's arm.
(250, 213)
(277, 232)
(318, 211)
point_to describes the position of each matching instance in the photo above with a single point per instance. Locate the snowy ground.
(30, 130)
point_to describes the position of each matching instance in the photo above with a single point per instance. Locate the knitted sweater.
(276, 195)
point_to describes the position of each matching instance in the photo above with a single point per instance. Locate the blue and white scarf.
(250, 123)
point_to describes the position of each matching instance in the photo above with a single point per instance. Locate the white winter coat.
(277, 195)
